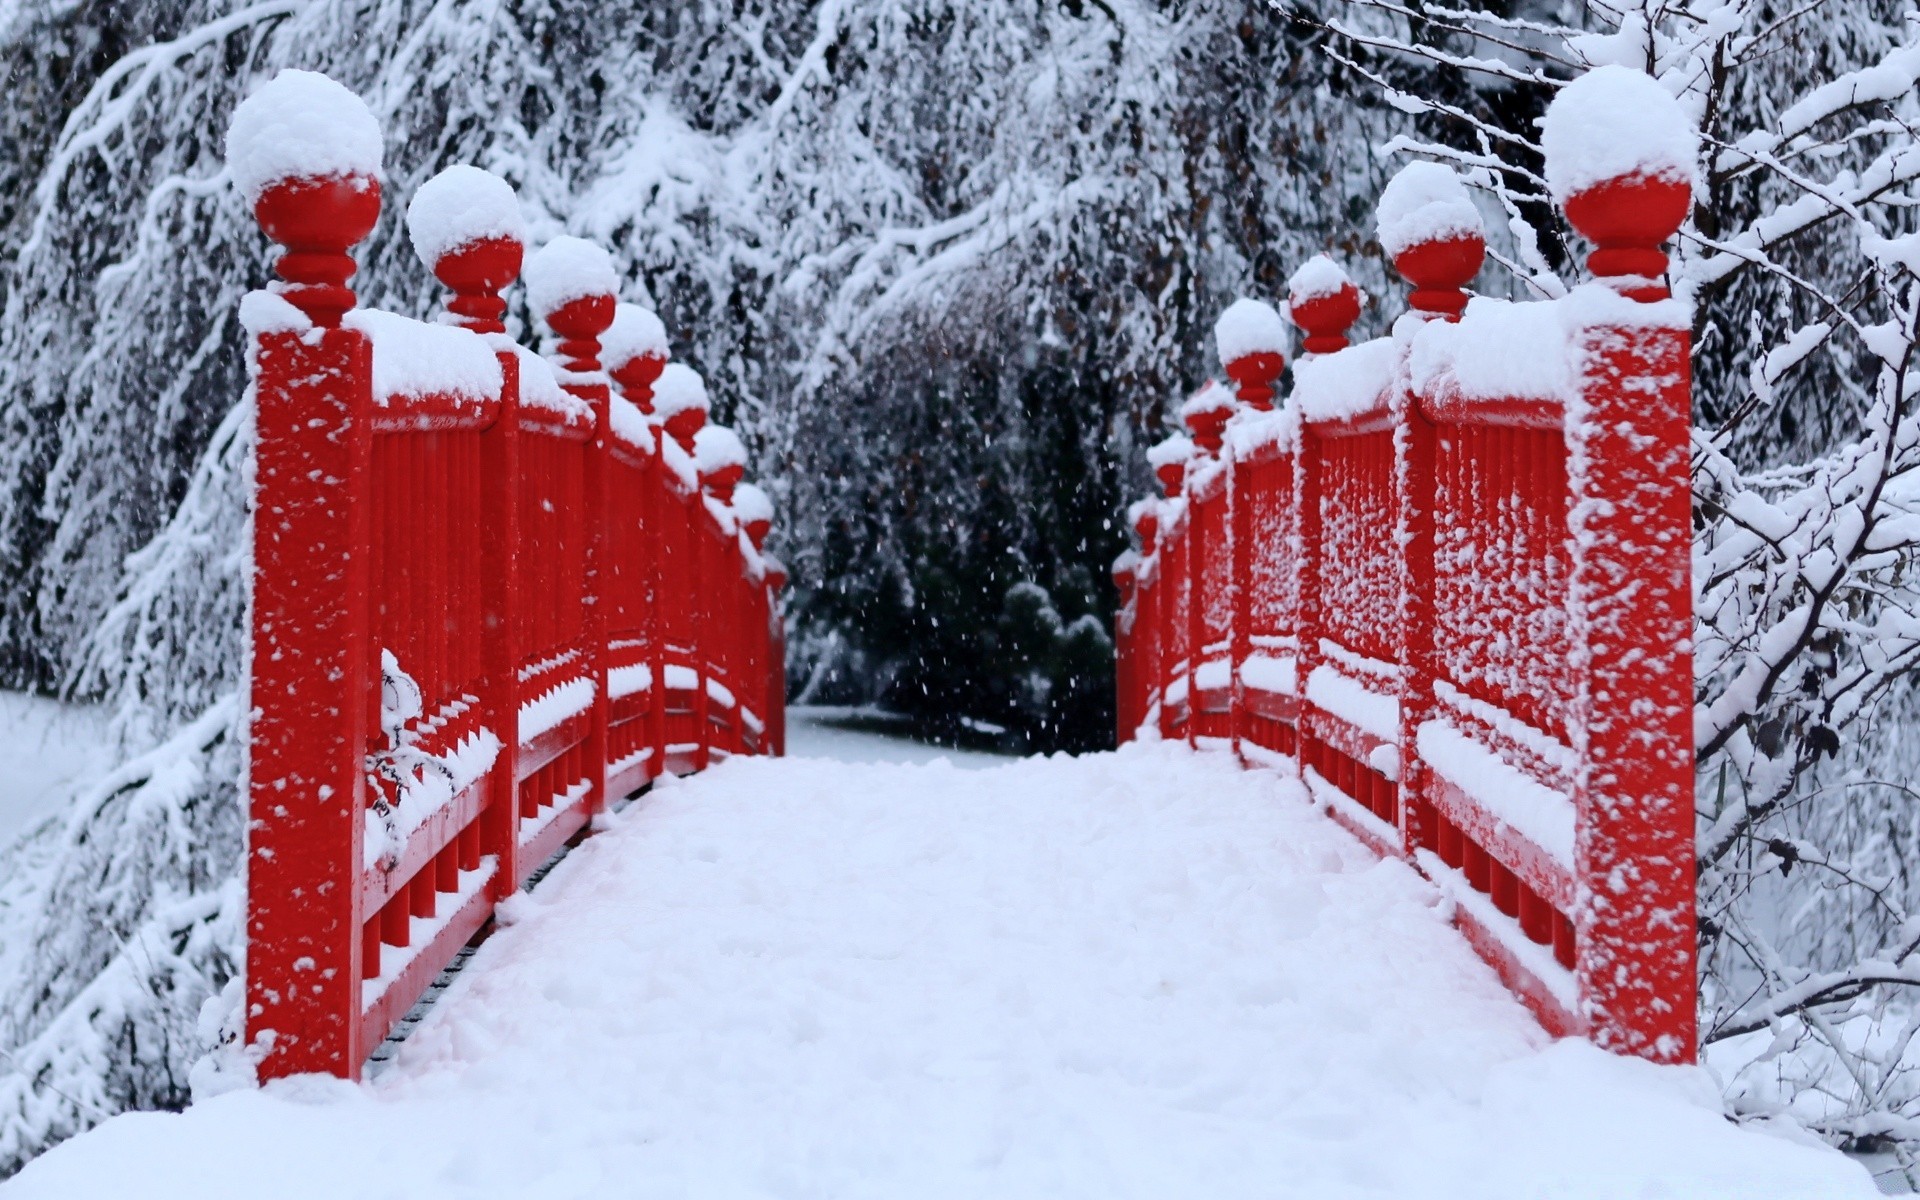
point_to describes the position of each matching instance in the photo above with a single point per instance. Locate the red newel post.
(1631, 596)
(476, 270)
(571, 283)
(721, 461)
(1251, 340)
(1439, 263)
(313, 668)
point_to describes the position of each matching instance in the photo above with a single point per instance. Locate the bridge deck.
(1147, 973)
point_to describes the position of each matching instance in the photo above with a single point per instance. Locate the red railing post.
(571, 284)
(722, 463)
(1632, 614)
(313, 674)
(634, 352)
(475, 273)
(1439, 271)
(1250, 337)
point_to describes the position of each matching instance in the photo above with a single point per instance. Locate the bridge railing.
(493, 591)
(1457, 563)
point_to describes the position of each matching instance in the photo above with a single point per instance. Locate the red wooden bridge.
(1445, 585)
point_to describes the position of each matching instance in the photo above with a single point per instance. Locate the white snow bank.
(1317, 277)
(635, 332)
(300, 125)
(1499, 349)
(1249, 327)
(752, 503)
(716, 447)
(1425, 202)
(566, 269)
(413, 358)
(1348, 383)
(460, 206)
(678, 389)
(1148, 973)
(1170, 450)
(1614, 122)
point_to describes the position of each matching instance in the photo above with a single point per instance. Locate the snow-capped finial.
(567, 269)
(634, 350)
(1622, 158)
(755, 509)
(1169, 458)
(680, 402)
(1144, 516)
(306, 153)
(1206, 413)
(1324, 303)
(1252, 340)
(301, 125)
(1433, 233)
(570, 286)
(465, 225)
(721, 458)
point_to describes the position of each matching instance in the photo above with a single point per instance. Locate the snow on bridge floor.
(1142, 974)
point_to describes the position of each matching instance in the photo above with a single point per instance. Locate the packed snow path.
(1140, 974)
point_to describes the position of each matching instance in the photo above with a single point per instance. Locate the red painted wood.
(1511, 579)
(485, 547)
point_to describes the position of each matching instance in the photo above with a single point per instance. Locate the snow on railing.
(492, 591)
(1447, 583)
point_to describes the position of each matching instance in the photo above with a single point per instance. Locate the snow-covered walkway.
(1140, 974)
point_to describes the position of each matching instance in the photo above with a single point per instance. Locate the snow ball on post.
(570, 286)
(466, 227)
(1430, 228)
(307, 154)
(1622, 159)
(755, 510)
(721, 458)
(1169, 458)
(634, 349)
(1252, 340)
(680, 403)
(1324, 303)
(1205, 414)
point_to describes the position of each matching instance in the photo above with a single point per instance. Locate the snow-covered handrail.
(1448, 585)
(490, 596)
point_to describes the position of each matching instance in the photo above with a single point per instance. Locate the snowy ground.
(46, 749)
(842, 733)
(1140, 974)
